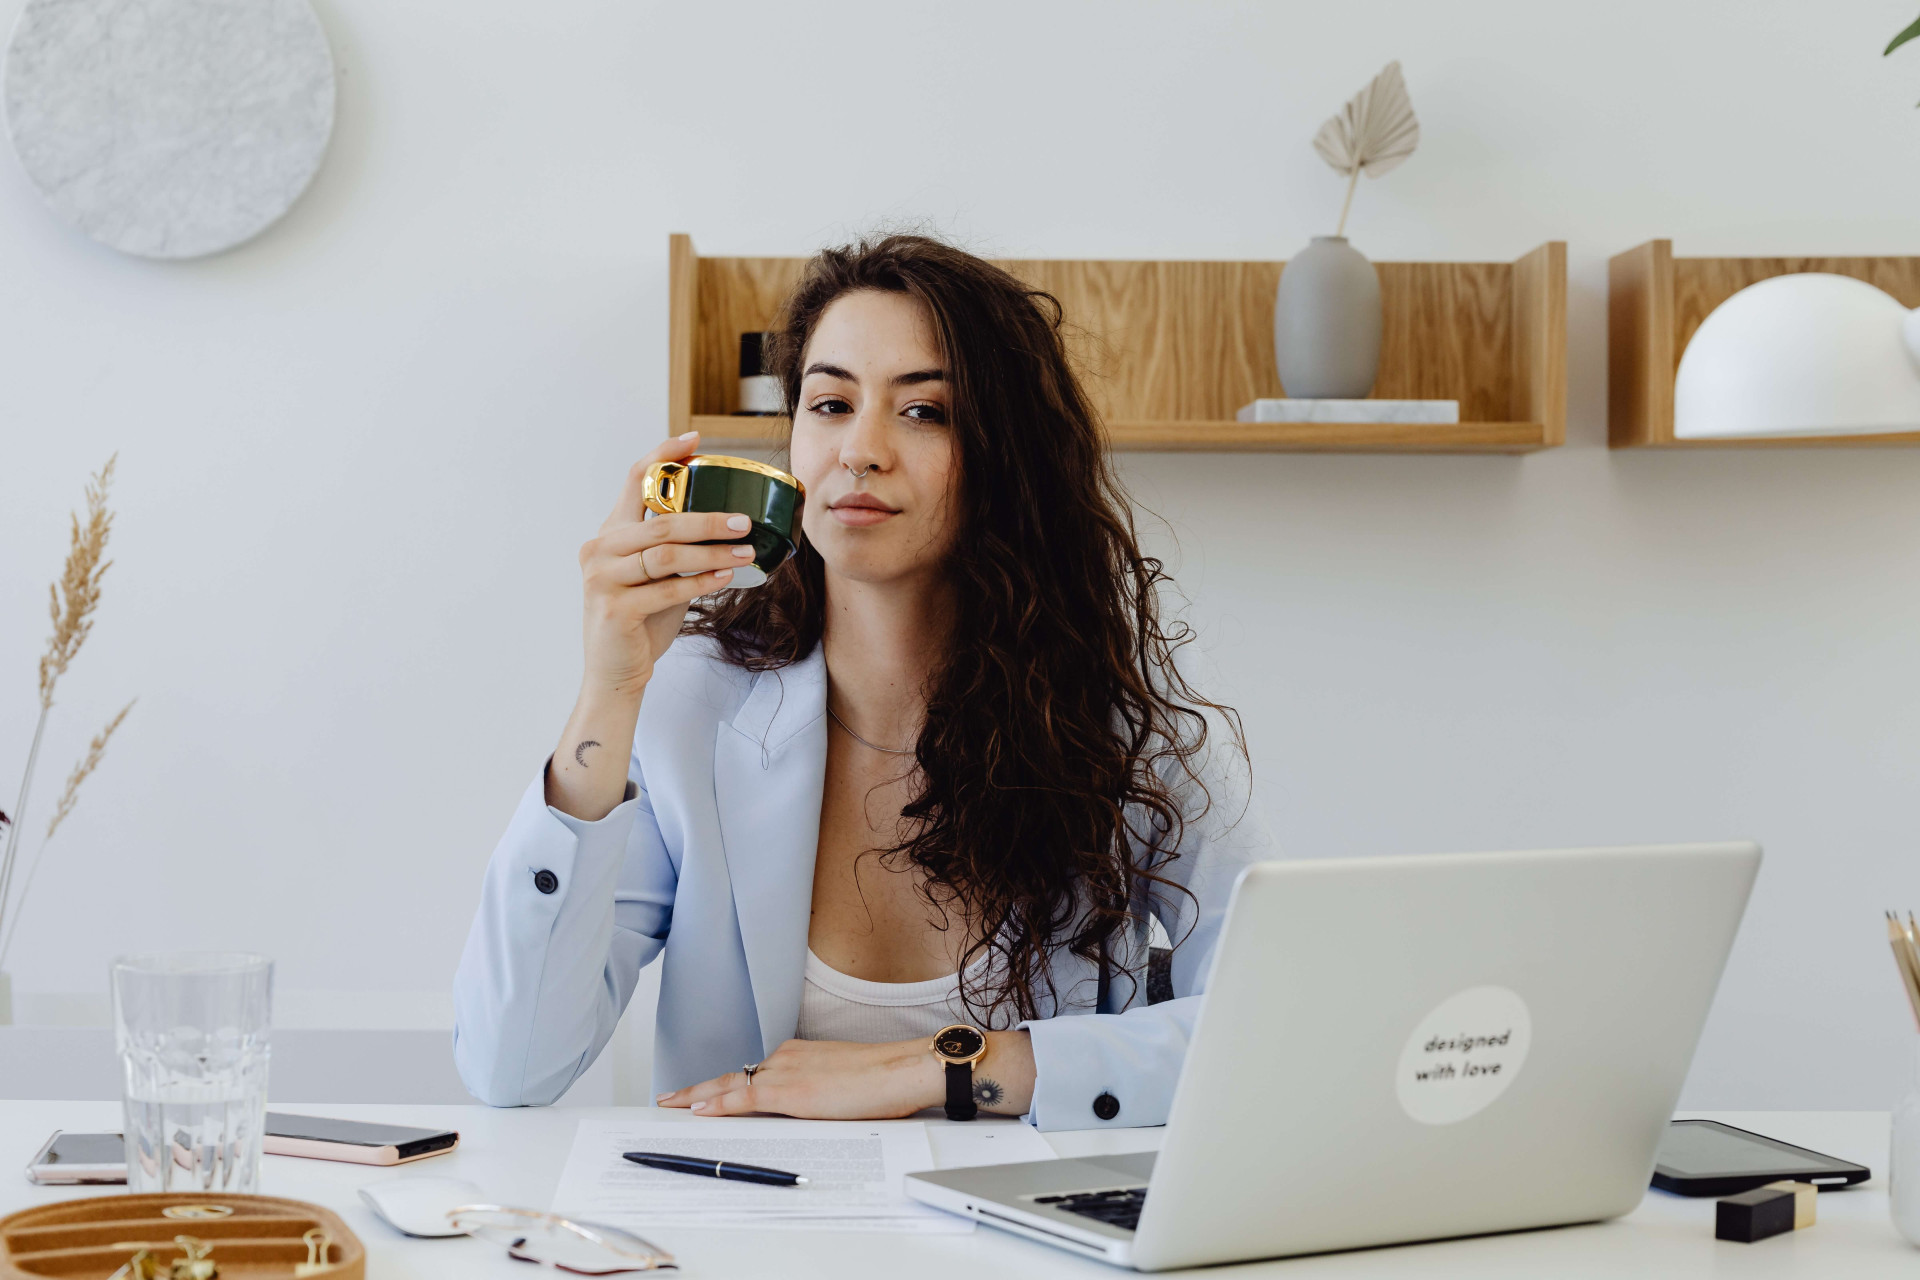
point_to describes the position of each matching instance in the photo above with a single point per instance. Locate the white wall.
(358, 454)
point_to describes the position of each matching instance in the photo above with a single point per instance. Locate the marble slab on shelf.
(1435, 411)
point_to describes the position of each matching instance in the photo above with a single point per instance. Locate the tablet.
(1707, 1158)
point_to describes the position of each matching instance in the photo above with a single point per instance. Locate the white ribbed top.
(835, 1006)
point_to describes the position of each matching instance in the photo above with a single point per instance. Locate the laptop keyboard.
(1115, 1208)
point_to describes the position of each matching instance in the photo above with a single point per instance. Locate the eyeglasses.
(586, 1248)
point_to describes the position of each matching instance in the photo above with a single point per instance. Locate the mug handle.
(664, 491)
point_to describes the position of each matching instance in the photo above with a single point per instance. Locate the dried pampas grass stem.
(72, 600)
(96, 751)
(71, 603)
(86, 765)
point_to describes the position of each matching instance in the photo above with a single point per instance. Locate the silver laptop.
(1400, 1049)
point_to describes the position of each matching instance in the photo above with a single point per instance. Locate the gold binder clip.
(318, 1243)
(194, 1264)
(141, 1266)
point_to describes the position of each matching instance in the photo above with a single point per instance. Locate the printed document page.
(853, 1170)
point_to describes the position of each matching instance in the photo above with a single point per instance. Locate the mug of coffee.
(714, 482)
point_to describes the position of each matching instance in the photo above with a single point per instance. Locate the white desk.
(517, 1155)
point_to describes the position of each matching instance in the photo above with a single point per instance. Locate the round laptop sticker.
(1463, 1055)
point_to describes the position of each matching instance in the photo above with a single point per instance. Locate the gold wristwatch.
(960, 1046)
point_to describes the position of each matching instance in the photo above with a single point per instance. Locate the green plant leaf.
(1911, 33)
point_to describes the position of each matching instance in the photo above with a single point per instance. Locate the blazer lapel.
(769, 772)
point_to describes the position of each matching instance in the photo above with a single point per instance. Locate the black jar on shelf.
(760, 394)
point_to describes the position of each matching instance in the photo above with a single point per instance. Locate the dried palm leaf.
(1373, 133)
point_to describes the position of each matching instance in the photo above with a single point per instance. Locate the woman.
(940, 769)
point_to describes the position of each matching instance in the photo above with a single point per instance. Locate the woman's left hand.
(840, 1080)
(824, 1080)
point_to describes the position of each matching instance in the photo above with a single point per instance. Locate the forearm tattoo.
(988, 1093)
(579, 752)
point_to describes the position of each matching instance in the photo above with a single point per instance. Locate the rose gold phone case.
(315, 1149)
(41, 1174)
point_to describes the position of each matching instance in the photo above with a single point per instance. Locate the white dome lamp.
(1801, 355)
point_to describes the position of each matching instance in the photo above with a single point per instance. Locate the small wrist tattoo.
(988, 1093)
(579, 752)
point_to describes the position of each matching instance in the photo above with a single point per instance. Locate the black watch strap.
(960, 1103)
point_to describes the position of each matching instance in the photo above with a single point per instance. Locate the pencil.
(1903, 956)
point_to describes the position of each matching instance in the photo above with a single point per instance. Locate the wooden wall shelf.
(1172, 349)
(1655, 303)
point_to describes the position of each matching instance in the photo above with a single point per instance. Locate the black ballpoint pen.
(715, 1169)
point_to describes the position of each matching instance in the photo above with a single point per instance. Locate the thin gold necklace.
(892, 751)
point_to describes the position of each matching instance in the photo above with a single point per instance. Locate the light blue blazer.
(708, 863)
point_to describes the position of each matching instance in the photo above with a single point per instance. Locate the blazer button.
(545, 881)
(1106, 1106)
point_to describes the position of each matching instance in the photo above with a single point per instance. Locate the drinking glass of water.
(192, 1031)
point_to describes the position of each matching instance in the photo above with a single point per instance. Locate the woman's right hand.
(635, 603)
(635, 598)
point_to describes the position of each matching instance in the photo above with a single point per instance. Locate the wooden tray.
(90, 1239)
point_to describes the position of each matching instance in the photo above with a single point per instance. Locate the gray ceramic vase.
(1326, 322)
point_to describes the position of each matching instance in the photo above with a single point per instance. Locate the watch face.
(959, 1043)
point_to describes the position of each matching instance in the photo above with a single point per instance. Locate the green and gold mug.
(769, 497)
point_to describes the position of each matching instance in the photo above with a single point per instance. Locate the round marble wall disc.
(170, 128)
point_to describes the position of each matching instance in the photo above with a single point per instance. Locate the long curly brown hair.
(1058, 761)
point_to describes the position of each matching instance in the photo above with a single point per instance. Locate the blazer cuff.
(619, 819)
(547, 868)
(565, 854)
(1107, 1070)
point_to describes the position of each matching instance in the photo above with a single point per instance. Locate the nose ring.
(860, 474)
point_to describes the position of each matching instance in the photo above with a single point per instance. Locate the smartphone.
(74, 1158)
(1707, 1158)
(353, 1140)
